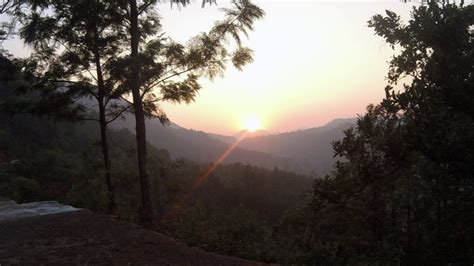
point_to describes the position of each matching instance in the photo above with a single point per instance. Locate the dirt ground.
(84, 238)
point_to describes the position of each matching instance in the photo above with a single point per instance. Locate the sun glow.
(252, 123)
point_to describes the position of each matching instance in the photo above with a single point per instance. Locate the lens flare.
(175, 209)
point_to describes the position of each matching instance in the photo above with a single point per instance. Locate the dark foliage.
(404, 194)
(233, 212)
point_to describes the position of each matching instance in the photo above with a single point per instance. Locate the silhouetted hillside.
(309, 149)
(248, 134)
(306, 151)
(201, 146)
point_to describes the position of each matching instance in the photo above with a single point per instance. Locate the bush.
(20, 189)
(237, 233)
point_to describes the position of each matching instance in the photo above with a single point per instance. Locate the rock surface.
(10, 210)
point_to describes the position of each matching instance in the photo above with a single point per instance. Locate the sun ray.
(179, 203)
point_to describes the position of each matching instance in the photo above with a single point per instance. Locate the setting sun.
(252, 124)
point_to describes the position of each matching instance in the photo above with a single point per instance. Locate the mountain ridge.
(307, 151)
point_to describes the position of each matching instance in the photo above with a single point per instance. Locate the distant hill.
(249, 134)
(201, 146)
(310, 149)
(306, 151)
(223, 138)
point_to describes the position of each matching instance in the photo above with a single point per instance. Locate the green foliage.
(403, 193)
(20, 189)
(173, 69)
(241, 57)
(7, 27)
(291, 236)
(22, 93)
(267, 192)
(71, 42)
(238, 232)
(208, 217)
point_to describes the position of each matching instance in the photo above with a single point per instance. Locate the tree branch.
(144, 7)
(118, 114)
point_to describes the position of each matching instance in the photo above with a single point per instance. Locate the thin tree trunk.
(103, 126)
(438, 218)
(417, 250)
(105, 152)
(147, 212)
(408, 219)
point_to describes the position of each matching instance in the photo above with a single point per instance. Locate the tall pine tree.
(159, 69)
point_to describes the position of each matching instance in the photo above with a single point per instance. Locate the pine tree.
(72, 42)
(158, 63)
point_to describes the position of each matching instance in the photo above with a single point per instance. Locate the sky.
(314, 61)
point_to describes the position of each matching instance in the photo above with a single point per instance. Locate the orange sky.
(314, 61)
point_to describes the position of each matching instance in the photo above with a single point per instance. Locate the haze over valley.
(307, 151)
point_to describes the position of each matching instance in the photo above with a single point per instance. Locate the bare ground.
(84, 238)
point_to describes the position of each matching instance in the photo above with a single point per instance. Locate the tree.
(437, 53)
(8, 7)
(157, 62)
(406, 179)
(72, 42)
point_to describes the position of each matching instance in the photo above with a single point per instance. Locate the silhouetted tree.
(6, 27)
(158, 63)
(404, 192)
(437, 54)
(72, 42)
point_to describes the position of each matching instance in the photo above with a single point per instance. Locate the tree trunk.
(105, 153)
(408, 218)
(147, 212)
(103, 125)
